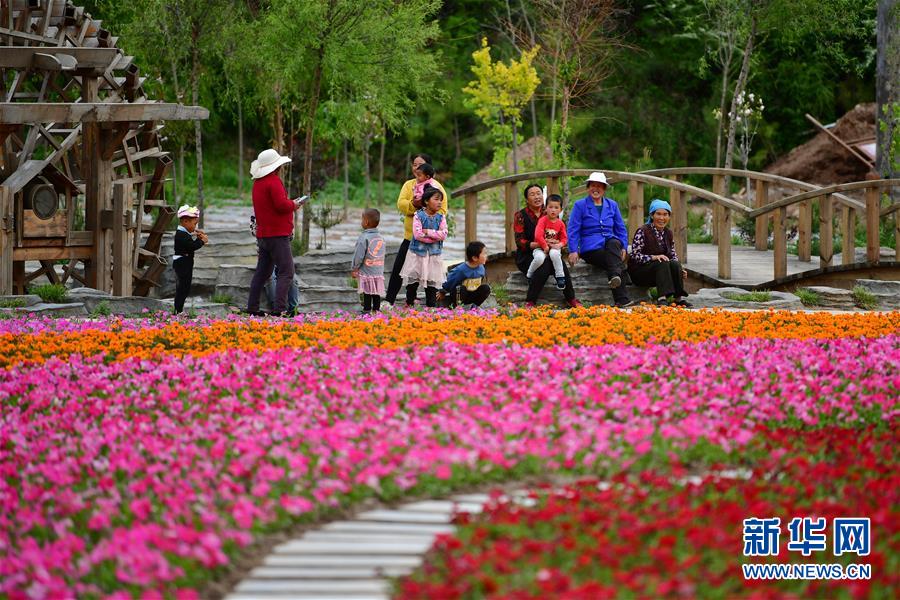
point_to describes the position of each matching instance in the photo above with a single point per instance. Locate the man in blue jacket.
(598, 235)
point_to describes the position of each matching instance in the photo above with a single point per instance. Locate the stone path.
(354, 559)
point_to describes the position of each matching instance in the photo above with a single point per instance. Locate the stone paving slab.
(405, 547)
(399, 516)
(329, 572)
(318, 586)
(375, 527)
(361, 561)
(443, 506)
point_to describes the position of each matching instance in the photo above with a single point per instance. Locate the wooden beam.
(724, 254)
(98, 112)
(873, 234)
(761, 237)
(804, 231)
(511, 197)
(121, 248)
(679, 221)
(635, 206)
(32, 168)
(471, 217)
(7, 240)
(45, 61)
(51, 253)
(841, 142)
(848, 235)
(826, 231)
(780, 243)
(719, 189)
(112, 140)
(552, 185)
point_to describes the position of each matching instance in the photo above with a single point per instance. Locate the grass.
(808, 297)
(102, 309)
(864, 298)
(220, 298)
(12, 303)
(748, 296)
(53, 293)
(501, 294)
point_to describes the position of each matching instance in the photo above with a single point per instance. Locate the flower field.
(139, 457)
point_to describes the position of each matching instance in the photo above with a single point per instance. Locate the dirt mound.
(822, 160)
(534, 147)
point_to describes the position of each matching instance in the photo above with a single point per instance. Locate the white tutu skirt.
(425, 270)
(371, 284)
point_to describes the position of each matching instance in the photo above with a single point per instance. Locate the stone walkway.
(354, 559)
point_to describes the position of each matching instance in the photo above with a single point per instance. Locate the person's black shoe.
(626, 304)
(256, 313)
(560, 283)
(614, 282)
(683, 303)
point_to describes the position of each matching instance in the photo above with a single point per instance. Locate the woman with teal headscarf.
(653, 260)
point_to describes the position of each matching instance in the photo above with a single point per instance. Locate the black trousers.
(666, 276)
(396, 282)
(476, 296)
(272, 251)
(371, 302)
(184, 272)
(609, 258)
(539, 278)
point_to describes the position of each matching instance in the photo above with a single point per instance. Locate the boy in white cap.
(188, 239)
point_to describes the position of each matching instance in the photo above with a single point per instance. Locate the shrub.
(220, 298)
(808, 297)
(102, 309)
(53, 293)
(12, 303)
(864, 298)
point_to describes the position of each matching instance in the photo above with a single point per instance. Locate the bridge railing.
(723, 209)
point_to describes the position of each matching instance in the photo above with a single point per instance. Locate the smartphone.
(302, 200)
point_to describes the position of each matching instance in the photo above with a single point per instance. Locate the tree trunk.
(515, 148)
(367, 142)
(381, 165)
(562, 142)
(181, 168)
(534, 129)
(887, 86)
(456, 137)
(725, 69)
(195, 98)
(175, 169)
(738, 89)
(313, 99)
(278, 122)
(346, 177)
(240, 172)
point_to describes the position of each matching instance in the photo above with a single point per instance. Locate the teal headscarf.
(655, 205)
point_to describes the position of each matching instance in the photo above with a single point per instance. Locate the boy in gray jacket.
(368, 261)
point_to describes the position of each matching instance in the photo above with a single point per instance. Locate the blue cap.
(656, 205)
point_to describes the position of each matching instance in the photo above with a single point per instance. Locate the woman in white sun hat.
(274, 226)
(597, 234)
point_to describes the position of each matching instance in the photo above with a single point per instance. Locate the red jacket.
(547, 231)
(274, 210)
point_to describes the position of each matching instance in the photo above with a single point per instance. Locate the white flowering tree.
(747, 117)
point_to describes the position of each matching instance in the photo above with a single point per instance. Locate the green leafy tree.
(499, 92)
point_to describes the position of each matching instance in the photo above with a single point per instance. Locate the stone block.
(830, 297)
(887, 292)
(591, 287)
(70, 309)
(715, 298)
(124, 305)
(19, 301)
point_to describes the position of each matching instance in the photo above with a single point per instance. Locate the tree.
(372, 52)
(498, 93)
(887, 91)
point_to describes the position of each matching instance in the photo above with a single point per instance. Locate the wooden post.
(718, 188)
(762, 221)
(848, 235)
(511, 196)
(679, 221)
(804, 231)
(873, 237)
(826, 231)
(7, 236)
(471, 217)
(553, 185)
(121, 248)
(635, 206)
(780, 242)
(725, 243)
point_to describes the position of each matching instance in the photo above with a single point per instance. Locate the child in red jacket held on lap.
(550, 235)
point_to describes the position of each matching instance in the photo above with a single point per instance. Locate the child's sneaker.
(614, 282)
(560, 283)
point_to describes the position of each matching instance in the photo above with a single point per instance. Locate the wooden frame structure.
(78, 136)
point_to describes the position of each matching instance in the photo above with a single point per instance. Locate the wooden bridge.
(722, 263)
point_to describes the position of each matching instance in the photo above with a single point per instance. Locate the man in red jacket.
(274, 228)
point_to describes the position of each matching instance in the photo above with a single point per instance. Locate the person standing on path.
(274, 227)
(598, 235)
(407, 205)
(524, 226)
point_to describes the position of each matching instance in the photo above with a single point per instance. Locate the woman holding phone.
(274, 227)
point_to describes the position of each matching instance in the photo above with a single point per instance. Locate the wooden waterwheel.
(81, 157)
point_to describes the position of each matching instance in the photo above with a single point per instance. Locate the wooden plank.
(471, 217)
(113, 139)
(552, 185)
(725, 243)
(51, 253)
(511, 197)
(718, 188)
(826, 231)
(139, 219)
(154, 239)
(635, 206)
(873, 234)
(50, 270)
(762, 222)
(848, 235)
(804, 231)
(121, 249)
(32, 168)
(157, 188)
(780, 242)
(35, 227)
(679, 221)
(7, 239)
(98, 112)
